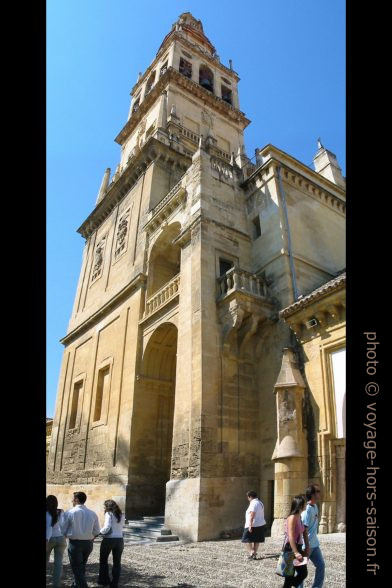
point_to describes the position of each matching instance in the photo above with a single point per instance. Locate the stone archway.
(152, 424)
(164, 260)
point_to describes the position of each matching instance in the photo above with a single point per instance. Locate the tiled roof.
(327, 288)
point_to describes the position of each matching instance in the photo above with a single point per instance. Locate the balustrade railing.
(163, 295)
(241, 280)
(222, 168)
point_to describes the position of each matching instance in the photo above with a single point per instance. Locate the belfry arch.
(152, 424)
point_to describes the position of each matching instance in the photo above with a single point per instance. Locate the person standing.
(295, 534)
(254, 531)
(81, 526)
(112, 542)
(310, 518)
(54, 538)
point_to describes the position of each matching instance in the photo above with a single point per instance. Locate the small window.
(75, 403)
(163, 69)
(224, 266)
(102, 389)
(187, 54)
(256, 227)
(185, 68)
(206, 78)
(226, 81)
(226, 94)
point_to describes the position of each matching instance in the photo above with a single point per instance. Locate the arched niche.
(164, 260)
(152, 424)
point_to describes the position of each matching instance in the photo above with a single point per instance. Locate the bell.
(206, 83)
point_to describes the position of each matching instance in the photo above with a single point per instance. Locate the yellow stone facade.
(319, 322)
(49, 424)
(174, 346)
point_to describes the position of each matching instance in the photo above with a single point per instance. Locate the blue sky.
(289, 54)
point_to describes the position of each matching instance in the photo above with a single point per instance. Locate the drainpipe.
(287, 229)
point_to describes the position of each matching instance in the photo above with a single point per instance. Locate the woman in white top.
(254, 525)
(54, 538)
(112, 541)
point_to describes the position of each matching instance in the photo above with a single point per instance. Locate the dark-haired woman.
(294, 532)
(254, 530)
(54, 538)
(112, 532)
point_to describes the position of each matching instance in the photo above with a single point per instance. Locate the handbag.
(285, 565)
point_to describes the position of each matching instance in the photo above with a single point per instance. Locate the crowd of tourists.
(81, 526)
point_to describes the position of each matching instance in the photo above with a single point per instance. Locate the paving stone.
(212, 564)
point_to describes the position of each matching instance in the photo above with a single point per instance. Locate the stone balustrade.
(236, 279)
(222, 168)
(162, 296)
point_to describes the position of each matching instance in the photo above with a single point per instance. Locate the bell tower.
(186, 93)
(174, 343)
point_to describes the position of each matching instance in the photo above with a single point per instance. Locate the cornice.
(291, 163)
(172, 75)
(306, 180)
(338, 283)
(134, 169)
(136, 283)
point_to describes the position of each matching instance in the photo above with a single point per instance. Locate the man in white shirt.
(81, 526)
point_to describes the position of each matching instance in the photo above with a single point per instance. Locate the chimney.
(326, 164)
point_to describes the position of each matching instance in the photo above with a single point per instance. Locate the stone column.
(290, 454)
(162, 114)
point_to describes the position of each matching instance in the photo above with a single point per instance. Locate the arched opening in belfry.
(150, 83)
(152, 424)
(206, 78)
(164, 261)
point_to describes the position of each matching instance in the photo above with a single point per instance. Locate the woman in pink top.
(294, 531)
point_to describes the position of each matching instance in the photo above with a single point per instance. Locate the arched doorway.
(152, 424)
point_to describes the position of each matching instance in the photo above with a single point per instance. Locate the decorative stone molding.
(310, 182)
(152, 150)
(164, 209)
(239, 279)
(98, 259)
(138, 281)
(122, 232)
(319, 309)
(162, 297)
(243, 306)
(209, 99)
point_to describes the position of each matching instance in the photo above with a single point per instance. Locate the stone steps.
(147, 530)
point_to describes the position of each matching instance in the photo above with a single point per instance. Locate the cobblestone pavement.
(209, 564)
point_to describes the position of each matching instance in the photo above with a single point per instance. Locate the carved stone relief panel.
(122, 233)
(98, 258)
